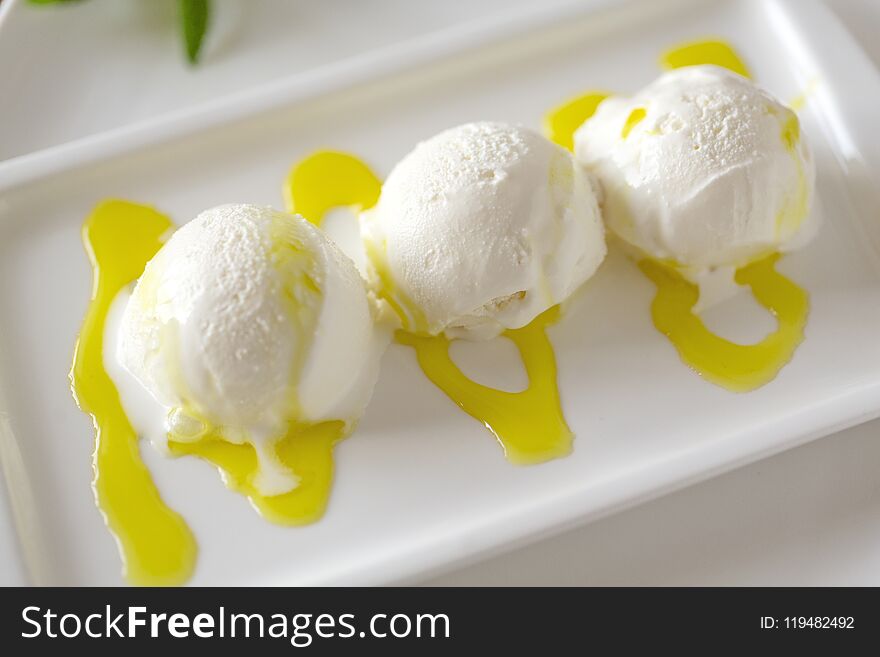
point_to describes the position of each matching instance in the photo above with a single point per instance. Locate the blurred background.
(810, 516)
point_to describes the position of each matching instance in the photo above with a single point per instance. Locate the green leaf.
(194, 17)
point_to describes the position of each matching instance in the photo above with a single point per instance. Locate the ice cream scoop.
(706, 179)
(246, 321)
(702, 168)
(480, 229)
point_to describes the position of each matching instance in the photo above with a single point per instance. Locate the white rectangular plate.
(421, 486)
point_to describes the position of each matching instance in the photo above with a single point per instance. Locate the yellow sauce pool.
(157, 547)
(561, 122)
(734, 366)
(635, 117)
(710, 51)
(307, 451)
(528, 424)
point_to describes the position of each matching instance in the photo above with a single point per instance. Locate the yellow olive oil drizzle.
(635, 117)
(529, 424)
(156, 546)
(307, 451)
(709, 51)
(330, 179)
(734, 366)
(561, 122)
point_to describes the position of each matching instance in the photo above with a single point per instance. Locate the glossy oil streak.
(697, 53)
(734, 366)
(307, 451)
(156, 546)
(561, 122)
(528, 424)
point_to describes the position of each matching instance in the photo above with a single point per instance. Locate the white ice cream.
(481, 228)
(701, 167)
(246, 320)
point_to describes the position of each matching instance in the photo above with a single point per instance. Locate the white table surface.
(810, 516)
